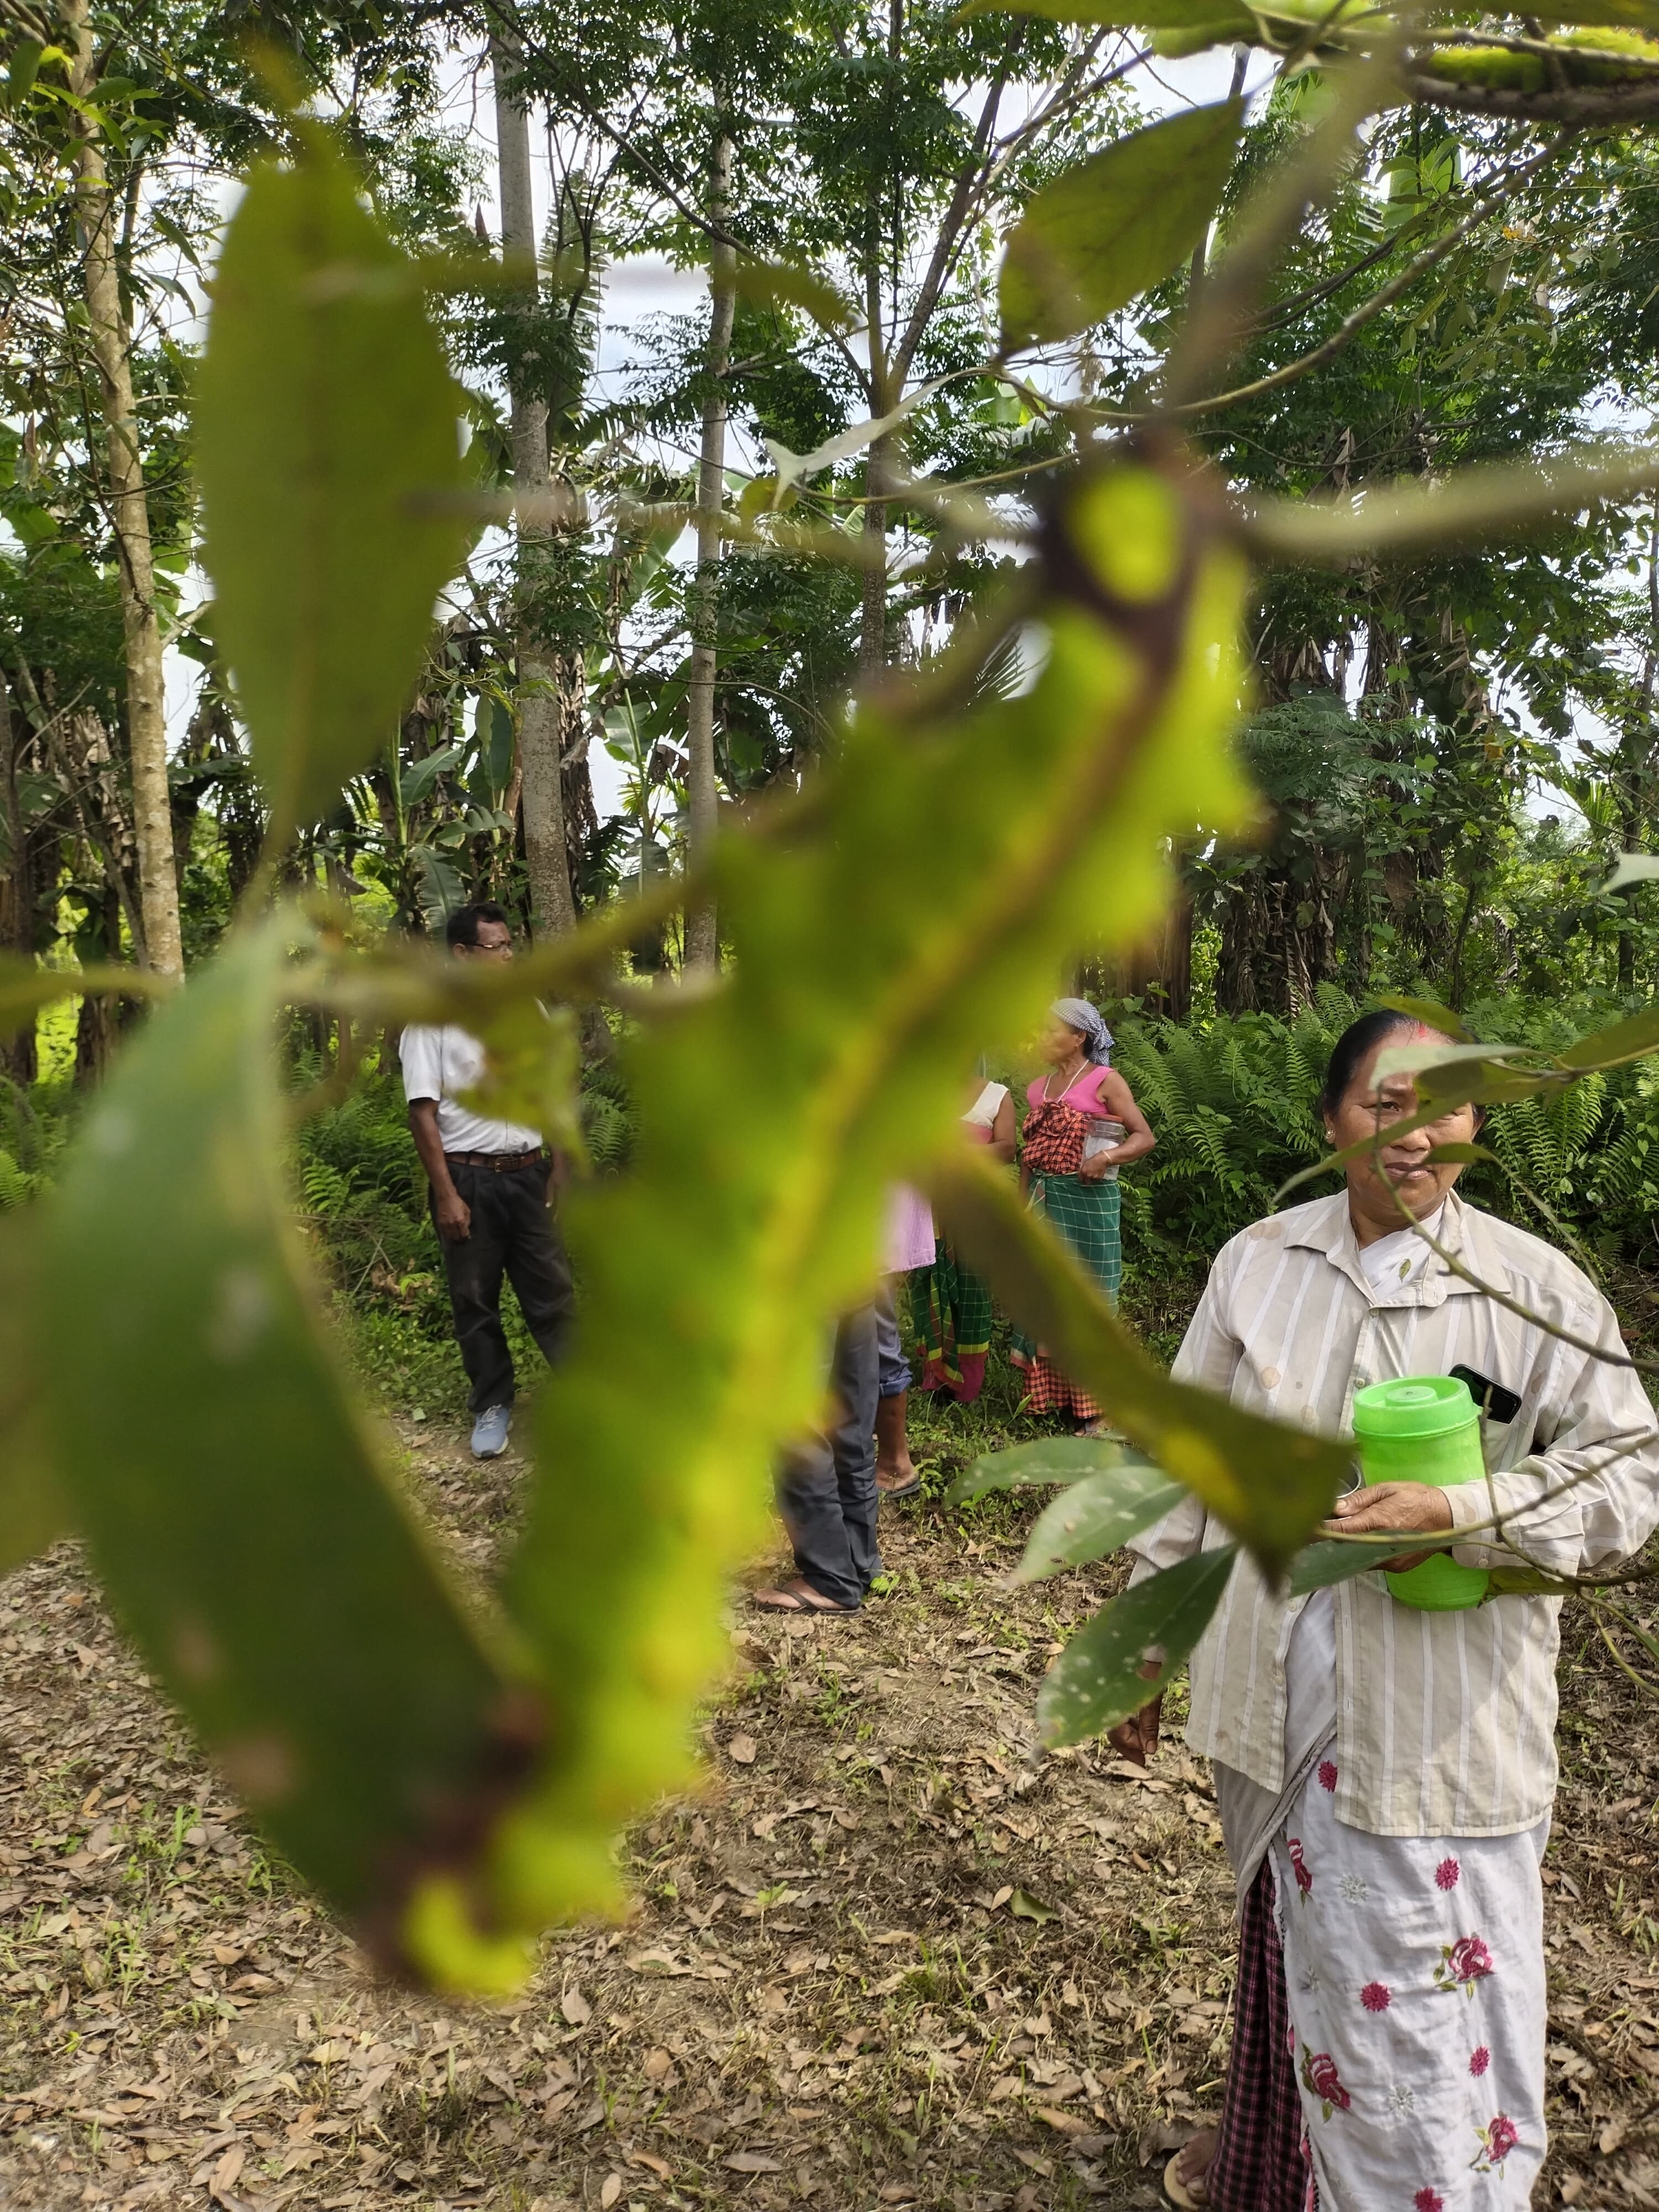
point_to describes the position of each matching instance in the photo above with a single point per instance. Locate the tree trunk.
(552, 908)
(702, 938)
(18, 1057)
(872, 622)
(112, 341)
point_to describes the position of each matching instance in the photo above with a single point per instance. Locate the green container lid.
(1417, 1406)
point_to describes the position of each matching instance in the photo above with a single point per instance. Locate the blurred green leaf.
(1102, 232)
(327, 443)
(1225, 22)
(241, 1513)
(1619, 14)
(1271, 1484)
(25, 987)
(1025, 1906)
(1425, 1057)
(1322, 1566)
(533, 1061)
(1460, 1155)
(1095, 1517)
(1432, 1015)
(774, 1113)
(783, 284)
(1049, 1460)
(1631, 1039)
(34, 1509)
(1097, 1680)
(1633, 868)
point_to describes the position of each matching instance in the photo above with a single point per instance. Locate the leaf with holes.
(1322, 1566)
(240, 1513)
(328, 449)
(1049, 1460)
(1095, 1517)
(1099, 1679)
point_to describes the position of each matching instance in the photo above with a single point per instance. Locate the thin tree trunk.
(17, 890)
(111, 342)
(552, 908)
(702, 940)
(873, 623)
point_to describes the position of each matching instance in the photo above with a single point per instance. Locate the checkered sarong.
(1086, 1216)
(1260, 2164)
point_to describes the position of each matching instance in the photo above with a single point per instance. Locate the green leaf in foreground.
(1634, 1039)
(1322, 1566)
(1617, 15)
(1216, 21)
(1095, 1517)
(1050, 1459)
(1272, 1485)
(27, 988)
(238, 1509)
(1097, 1681)
(327, 444)
(33, 1511)
(1104, 232)
(1432, 1015)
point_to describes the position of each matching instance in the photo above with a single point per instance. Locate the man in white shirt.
(490, 1196)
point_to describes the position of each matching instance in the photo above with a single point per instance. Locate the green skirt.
(952, 1308)
(1086, 1216)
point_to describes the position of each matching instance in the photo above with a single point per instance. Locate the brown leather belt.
(499, 1162)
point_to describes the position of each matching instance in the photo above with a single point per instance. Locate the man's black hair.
(462, 926)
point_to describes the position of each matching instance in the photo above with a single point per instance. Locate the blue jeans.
(895, 1373)
(827, 1488)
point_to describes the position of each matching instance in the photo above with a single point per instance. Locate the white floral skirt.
(1414, 1970)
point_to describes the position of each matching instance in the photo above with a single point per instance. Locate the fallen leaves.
(831, 1932)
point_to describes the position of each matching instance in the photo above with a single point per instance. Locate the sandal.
(796, 1597)
(890, 1492)
(1180, 2192)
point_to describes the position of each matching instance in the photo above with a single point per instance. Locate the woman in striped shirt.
(1385, 1775)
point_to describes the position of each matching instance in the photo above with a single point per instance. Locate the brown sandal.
(797, 1596)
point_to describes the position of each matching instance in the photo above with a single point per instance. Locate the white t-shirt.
(982, 1114)
(440, 1063)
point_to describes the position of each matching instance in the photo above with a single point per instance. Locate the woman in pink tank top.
(1083, 1126)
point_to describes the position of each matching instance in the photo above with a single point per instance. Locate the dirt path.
(880, 1961)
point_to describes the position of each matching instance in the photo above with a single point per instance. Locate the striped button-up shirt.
(1445, 1721)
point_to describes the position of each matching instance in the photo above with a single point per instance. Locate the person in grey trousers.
(827, 1488)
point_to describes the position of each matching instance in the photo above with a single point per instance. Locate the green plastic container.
(1424, 1428)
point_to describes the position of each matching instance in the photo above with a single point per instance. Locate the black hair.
(462, 926)
(1354, 1046)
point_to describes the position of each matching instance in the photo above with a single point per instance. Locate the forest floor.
(881, 1960)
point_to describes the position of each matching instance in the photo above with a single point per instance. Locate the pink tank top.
(1083, 1097)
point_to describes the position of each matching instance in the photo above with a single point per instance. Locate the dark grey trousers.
(514, 1235)
(827, 1489)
